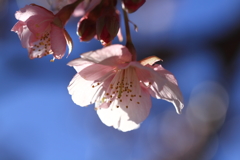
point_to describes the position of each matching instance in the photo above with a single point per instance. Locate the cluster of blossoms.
(120, 86)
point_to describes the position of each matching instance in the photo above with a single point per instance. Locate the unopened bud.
(86, 29)
(133, 5)
(109, 3)
(108, 25)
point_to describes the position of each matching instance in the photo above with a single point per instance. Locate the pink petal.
(82, 92)
(161, 84)
(58, 42)
(32, 39)
(18, 27)
(95, 71)
(79, 64)
(111, 55)
(38, 24)
(30, 10)
(23, 33)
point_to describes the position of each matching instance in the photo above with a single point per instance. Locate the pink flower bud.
(108, 25)
(86, 29)
(109, 3)
(133, 5)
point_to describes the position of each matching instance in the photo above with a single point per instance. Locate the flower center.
(124, 88)
(42, 47)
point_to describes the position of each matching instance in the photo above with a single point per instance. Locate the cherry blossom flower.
(41, 32)
(121, 88)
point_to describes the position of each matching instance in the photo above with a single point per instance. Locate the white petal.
(126, 115)
(82, 91)
(116, 120)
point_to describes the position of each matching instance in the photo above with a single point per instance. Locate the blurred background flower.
(199, 42)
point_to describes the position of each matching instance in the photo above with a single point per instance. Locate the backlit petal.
(23, 33)
(95, 71)
(82, 91)
(18, 27)
(30, 10)
(79, 64)
(126, 118)
(161, 84)
(168, 91)
(38, 24)
(58, 42)
(111, 55)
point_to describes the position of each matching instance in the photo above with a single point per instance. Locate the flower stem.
(129, 43)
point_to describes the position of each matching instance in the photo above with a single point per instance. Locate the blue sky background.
(199, 43)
